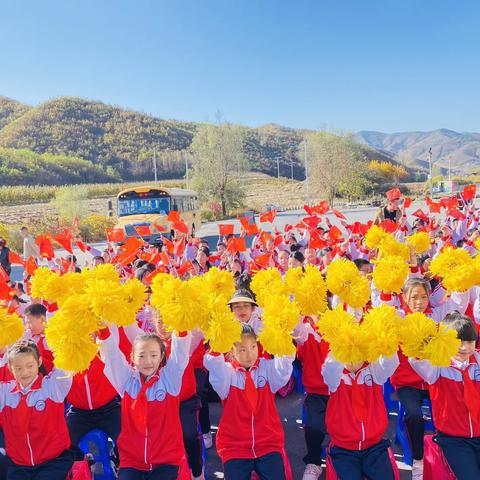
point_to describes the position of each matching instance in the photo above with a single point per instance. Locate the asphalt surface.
(290, 410)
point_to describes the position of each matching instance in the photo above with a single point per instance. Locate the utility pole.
(278, 167)
(155, 164)
(450, 169)
(291, 167)
(306, 172)
(186, 170)
(430, 168)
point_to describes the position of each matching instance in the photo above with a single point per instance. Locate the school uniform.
(250, 436)
(150, 443)
(36, 435)
(312, 352)
(357, 419)
(455, 394)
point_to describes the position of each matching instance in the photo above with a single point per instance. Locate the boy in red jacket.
(357, 418)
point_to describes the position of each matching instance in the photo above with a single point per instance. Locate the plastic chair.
(95, 442)
(297, 375)
(401, 435)
(391, 404)
(435, 467)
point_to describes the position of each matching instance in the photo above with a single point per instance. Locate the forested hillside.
(118, 144)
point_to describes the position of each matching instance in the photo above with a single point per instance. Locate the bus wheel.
(193, 229)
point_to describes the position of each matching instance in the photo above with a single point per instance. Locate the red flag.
(81, 245)
(31, 265)
(168, 243)
(263, 260)
(165, 259)
(288, 227)
(159, 228)
(308, 210)
(179, 247)
(316, 240)
(226, 229)
(3, 275)
(321, 208)
(6, 292)
(236, 245)
(180, 227)
(420, 214)
(65, 264)
(449, 202)
(435, 207)
(311, 222)
(268, 216)
(45, 246)
(457, 214)
(131, 245)
(64, 241)
(469, 192)
(188, 265)
(407, 202)
(115, 235)
(15, 258)
(334, 233)
(149, 276)
(143, 230)
(173, 216)
(250, 228)
(389, 225)
(278, 241)
(154, 257)
(339, 214)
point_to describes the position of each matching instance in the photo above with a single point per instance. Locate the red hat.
(394, 194)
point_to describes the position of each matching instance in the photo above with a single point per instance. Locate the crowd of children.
(148, 388)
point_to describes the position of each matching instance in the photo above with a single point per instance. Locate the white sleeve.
(279, 370)
(117, 369)
(300, 332)
(176, 364)
(57, 384)
(131, 331)
(426, 370)
(220, 374)
(332, 372)
(384, 368)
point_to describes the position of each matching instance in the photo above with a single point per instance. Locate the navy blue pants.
(56, 469)
(163, 472)
(315, 429)
(80, 422)
(201, 377)
(191, 437)
(268, 467)
(462, 455)
(412, 400)
(373, 463)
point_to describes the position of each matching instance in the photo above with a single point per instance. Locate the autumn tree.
(389, 171)
(218, 161)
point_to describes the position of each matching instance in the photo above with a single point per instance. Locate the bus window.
(135, 206)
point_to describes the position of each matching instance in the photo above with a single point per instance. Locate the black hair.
(360, 262)
(248, 330)
(36, 309)
(242, 282)
(145, 337)
(464, 326)
(298, 255)
(99, 257)
(139, 263)
(144, 270)
(296, 247)
(72, 258)
(26, 346)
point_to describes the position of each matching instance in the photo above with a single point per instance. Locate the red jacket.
(450, 412)
(91, 389)
(405, 376)
(244, 432)
(312, 352)
(357, 419)
(40, 433)
(150, 435)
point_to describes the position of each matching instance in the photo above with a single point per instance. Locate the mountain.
(120, 143)
(461, 151)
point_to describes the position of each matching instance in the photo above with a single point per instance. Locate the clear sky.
(388, 65)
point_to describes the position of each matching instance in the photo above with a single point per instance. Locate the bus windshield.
(135, 206)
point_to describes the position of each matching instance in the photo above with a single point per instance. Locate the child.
(357, 418)
(455, 392)
(32, 409)
(35, 321)
(150, 443)
(246, 309)
(250, 435)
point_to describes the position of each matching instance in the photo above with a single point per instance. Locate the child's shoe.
(312, 472)
(208, 440)
(417, 470)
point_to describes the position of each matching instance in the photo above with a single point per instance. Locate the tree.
(332, 162)
(218, 163)
(389, 171)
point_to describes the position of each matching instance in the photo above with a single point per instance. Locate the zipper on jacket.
(87, 389)
(363, 436)
(145, 447)
(253, 438)
(30, 449)
(471, 426)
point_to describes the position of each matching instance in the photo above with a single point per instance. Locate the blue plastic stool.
(95, 442)
(391, 404)
(401, 435)
(297, 375)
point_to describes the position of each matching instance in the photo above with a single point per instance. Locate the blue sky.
(388, 65)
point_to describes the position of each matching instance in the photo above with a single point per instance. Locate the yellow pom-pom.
(77, 316)
(72, 353)
(390, 274)
(311, 292)
(331, 320)
(219, 282)
(381, 326)
(350, 345)
(375, 236)
(223, 330)
(104, 271)
(40, 280)
(11, 328)
(106, 298)
(477, 244)
(135, 295)
(266, 281)
(391, 247)
(292, 279)
(416, 330)
(344, 280)
(442, 347)
(276, 342)
(420, 241)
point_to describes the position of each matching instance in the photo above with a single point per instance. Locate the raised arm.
(220, 373)
(332, 372)
(384, 368)
(172, 373)
(279, 370)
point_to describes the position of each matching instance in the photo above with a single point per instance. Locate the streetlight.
(430, 168)
(155, 164)
(306, 172)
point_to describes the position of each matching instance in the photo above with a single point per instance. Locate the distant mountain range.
(461, 151)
